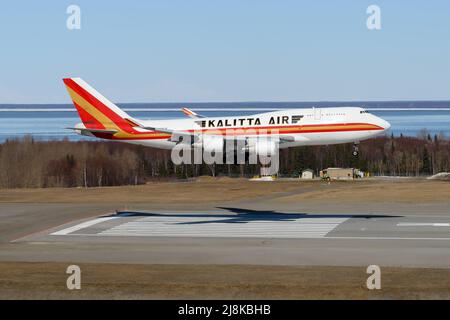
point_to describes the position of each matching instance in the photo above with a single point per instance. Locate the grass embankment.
(116, 281)
(224, 189)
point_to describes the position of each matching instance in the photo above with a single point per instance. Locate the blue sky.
(191, 51)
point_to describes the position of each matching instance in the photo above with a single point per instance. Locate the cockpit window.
(364, 111)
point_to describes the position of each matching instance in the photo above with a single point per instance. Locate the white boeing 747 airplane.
(263, 133)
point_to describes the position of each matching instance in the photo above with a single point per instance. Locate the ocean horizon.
(48, 121)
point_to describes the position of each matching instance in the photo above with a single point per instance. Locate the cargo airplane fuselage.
(293, 127)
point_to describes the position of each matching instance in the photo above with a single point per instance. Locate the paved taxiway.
(238, 235)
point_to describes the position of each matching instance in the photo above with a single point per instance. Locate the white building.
(307, 174)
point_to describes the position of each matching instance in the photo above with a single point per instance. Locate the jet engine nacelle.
(263, 147)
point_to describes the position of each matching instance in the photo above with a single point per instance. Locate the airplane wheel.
(355, 149)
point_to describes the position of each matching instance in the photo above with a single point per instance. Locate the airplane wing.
(176, 134)
(168, 131)
(193, 136)
(191, 113)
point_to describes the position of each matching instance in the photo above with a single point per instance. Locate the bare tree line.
(26, 163)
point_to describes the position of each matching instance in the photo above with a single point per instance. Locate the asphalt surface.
(386, 235)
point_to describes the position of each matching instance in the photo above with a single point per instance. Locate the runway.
(254, 224)
(194, 224)
(237, 235)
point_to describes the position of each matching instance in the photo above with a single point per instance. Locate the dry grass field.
(208, 190)
(118, 281)
(409, 191)
(225, 189)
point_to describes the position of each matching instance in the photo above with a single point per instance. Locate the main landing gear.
(355, 151)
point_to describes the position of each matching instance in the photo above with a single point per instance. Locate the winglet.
(191, 113)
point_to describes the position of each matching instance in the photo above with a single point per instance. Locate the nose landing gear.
(355, 151)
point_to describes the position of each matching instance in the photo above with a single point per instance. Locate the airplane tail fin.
(95, 110)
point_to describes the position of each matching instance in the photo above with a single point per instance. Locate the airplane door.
(317, 114)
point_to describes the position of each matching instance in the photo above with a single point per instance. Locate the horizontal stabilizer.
(91, 130)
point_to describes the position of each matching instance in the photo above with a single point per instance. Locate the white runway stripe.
(423, 224)
(205, 226)
(80, 226)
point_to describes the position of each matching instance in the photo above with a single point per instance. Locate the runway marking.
(228, 226)
(420, 224)
(204, 226)
(384, 238)
(80, 226)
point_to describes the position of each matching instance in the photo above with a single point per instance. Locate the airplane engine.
(264, 147)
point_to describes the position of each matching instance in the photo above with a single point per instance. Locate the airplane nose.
(385, 125)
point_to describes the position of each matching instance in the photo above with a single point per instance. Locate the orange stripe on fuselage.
(280, 130)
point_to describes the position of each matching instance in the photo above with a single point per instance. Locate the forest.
(28, 163)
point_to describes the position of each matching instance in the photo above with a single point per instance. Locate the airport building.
(340, 173)
(307, 174)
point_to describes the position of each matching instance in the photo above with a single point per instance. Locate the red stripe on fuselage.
(295, 130)
(294, 127)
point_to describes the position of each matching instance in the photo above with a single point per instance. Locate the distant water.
(47, 122)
